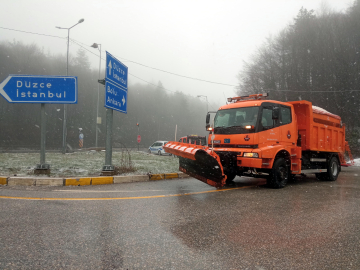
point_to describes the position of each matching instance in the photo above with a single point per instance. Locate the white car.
(158, 148)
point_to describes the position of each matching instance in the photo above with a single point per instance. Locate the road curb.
(86, 181)
(3, 180)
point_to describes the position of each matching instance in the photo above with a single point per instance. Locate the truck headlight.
(254, 155)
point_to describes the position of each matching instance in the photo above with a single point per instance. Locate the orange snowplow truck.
(252, 136)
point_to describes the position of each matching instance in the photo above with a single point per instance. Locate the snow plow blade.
(199, 162)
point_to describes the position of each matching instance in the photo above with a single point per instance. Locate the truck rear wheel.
(279, 174)
(332, 171)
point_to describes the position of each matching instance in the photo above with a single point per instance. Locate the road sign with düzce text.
(116, 84)
(40, 89)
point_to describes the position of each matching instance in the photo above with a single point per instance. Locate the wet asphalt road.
(307, 225)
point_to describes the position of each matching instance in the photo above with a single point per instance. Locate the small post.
(42, 168)
(81, 138)
(175, 132)
(138, 134)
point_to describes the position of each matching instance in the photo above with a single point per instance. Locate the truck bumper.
(253, 162)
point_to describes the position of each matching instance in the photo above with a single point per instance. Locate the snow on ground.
(87, 163)
(357, 161)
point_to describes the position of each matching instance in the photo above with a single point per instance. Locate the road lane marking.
(121, 198)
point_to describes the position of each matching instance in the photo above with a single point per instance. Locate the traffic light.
(137, 124)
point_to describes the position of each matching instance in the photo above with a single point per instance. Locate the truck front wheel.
(230, 178)
(279, 174)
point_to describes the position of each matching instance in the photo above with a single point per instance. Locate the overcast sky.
(204, 39)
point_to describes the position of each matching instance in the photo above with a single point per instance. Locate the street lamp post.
(67, 73)
(97, 46)
(207, 106)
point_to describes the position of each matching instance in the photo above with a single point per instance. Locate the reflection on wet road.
(184, 224)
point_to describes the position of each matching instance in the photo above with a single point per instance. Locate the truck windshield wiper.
(236, 126)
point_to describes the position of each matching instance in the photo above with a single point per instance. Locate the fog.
(175, 51)
(207, 40)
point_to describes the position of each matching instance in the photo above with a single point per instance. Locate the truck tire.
(279, 174)
(332, 171)
(230, 178)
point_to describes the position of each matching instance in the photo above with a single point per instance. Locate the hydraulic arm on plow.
(199, 162)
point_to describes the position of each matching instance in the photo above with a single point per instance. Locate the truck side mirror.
(276, 113)
(207, 118)
(207, 121)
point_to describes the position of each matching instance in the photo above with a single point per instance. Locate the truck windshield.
(233, 121)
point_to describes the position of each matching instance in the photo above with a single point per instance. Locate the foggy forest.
(315, 58)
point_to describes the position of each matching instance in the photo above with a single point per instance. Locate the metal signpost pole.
(43, 135)
(97, 46)
(67, 73)
(108, 145)
(97, 106)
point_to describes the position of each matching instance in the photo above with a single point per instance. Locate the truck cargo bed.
(319, 129)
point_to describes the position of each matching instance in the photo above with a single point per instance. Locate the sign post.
(40, 89)
(116, 88)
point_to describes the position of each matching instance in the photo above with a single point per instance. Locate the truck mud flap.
(199, 162)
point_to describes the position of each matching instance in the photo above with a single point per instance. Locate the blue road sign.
(40, 89)
(116, 71)
(115, 97)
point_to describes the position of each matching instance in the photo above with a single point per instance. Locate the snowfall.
(87, 163)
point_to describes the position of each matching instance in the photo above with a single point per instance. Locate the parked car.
(157, 148)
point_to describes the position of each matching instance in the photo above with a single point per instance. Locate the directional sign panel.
(115, 97)
(40, 89)
(116, 71)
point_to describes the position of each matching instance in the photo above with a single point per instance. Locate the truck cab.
(248, 133)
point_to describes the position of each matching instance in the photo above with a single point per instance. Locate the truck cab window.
(266, 118)
(285, 115)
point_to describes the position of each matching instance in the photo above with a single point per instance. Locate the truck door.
(287, 129)
(267, 126)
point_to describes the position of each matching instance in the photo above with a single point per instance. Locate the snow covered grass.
(87, 163)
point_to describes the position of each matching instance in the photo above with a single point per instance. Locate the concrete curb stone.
(130, 179)
(81, 181)
(21, 181)
(49, 182)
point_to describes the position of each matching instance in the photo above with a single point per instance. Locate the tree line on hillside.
(317, 58)
(156, 110)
